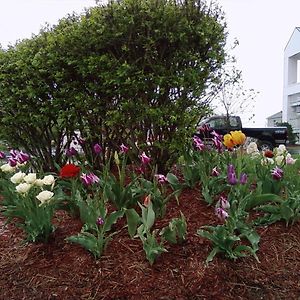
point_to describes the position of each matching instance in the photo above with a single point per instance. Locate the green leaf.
(258, 200)
(133, 220)
(112, 219)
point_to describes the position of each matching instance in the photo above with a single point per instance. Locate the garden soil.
(61, 270)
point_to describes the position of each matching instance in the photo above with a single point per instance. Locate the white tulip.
(30, 178)
(289, 160)
(280, 150)
(17, 177)
(39, 182)
(48, 180)
(252, 148)
(279, 159)
(23, 188)
(7, 168)
(44, 196)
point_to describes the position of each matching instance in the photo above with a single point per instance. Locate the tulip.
(145, 159)
(97, 148)
(198, 143)
(7, 168)
(228, 141)
(221, 213)
(123, 149)
(231, 176)
(48, 180)
(100, 221)
(243, 178)
(12, 162)
(23, 157)
(17, 177)
(23, 188)
(238, 137)
(215, 172)
(277, 173)
(289, 160)
(89, 179)
(2, 155)
(71, 151)
(44, 196)
(223, 203)
(161, 178)
(30, 178)
(147, 200)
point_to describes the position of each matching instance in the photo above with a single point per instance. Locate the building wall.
(291, 82)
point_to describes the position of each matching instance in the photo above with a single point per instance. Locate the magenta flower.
(215, 172)
(145, 159)
(71, 151)
(89, 179)
(22, 157)
(231, 176)
(100, 221)
(277, 173)
(123, 149)
(12, 162)
(198, 143)
(243, 178)
(2, 155)
(162, 179)
(221, 213)
(97, 148)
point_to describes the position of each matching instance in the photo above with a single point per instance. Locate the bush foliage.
(132, 71)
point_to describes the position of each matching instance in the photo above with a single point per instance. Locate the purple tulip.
(71, 151)
(218, 144)
(23, 157)
(2, 155)
(198, 143)
(145, 159)
(123, 149)
(243, 178)
(12, 162)
(162, 179)
(100, 221)
(215, 172)
(231, 176)
(89, 179)
(97, 148)
(277, 173)
(221, 213)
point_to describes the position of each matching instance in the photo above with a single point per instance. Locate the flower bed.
(154, 230)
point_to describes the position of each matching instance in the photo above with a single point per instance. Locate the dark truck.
(267, 138)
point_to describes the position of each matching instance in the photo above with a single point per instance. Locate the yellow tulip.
(238, 137)
(228, 141)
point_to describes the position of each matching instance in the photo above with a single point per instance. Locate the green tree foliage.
(292, 137)
(132, 71)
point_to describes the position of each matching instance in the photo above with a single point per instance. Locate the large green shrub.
(132, 71)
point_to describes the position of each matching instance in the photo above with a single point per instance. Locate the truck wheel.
(265, 145)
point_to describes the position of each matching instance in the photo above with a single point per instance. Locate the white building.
(291, 84)
(274, 119)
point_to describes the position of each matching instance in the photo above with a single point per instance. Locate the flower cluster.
(222, 207)
(234, 138)
(24, 182)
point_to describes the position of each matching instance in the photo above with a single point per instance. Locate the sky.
(262, 27)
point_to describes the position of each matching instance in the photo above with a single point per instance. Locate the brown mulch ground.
(59, 270)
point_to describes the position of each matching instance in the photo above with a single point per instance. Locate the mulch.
(61, 270)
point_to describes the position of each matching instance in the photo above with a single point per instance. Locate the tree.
(131, 71)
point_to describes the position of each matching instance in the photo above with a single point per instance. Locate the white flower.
(17, 177)
(280, 150)
(252, 148)
(7, 168)
(289, 160)
(44, 196)
(23, 188)
(30, 178)
(39, 182)
(267, 161)
(279, 159)
(48, 180)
